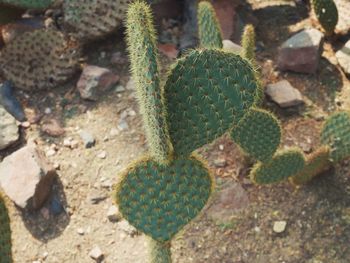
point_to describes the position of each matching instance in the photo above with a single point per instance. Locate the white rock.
(113, 214)
(96, 253)
(279, 226)
(8, 129)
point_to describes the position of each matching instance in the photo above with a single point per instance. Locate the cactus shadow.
(51, 220)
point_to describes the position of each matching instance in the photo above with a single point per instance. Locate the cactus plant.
(29, 4)
(327, 14)
(5, 234)
(248, 44)
(209, 30)
(258, 134)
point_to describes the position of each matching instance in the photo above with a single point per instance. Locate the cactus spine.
(5, 234)
(327, 14)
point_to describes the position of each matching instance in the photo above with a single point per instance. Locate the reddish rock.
(168, 50)
(301, 53)
(52, 127)
(95, 79)
(26, 177)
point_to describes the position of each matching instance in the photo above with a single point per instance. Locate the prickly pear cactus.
(316, 163)
(284, 164)
(160, 252)
(91, 19)
(327, 14)
(39, 59)
(248, 44)
(336, 134)
(29, 4)
(5, 234)
(209, 29)
(258, 134)
(206, 93)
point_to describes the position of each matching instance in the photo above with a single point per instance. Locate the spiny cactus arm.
(316, 163)
(160, 251)
(29, 4)
(327, 14)
(258, 134)
(207, 92)
(209, 30)
(5, 234)
(336, 134)
(284, 164)
(248, 44)
(141, 39)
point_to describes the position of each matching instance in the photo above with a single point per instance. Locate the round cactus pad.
(159, 200)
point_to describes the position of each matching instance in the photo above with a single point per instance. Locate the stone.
(127, 228)
(230, 199)
(228, 45)
(88, 139)
(10, 102)
(119, 89)
(26, 177)
(96, 253)
(95, 79)
(284, 94)
(102, 155)
(80, 231)
(279, 226)
(343, 56)
(52, 127)
(113, 214)
(8, 129)
(122, 124)
(168, 50)
(301, 53)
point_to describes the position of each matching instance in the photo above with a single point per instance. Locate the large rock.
(95, 79)
(284, 94)
(230, 46)
(8, 129)
(343, 57)
(301, 53)
(26, 177)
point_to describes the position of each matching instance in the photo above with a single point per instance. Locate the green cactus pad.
(316, 163)
(142, 47)
(258, 134)
(160, 200)
(5, 234)
(207, 93)
(327, 14)
(336, 134)
(29, 4)
(209, 29)
(160, 252)
(284, 164)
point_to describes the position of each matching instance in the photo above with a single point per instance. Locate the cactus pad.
(5, 234)
(248, 44)
(316, 163)
(29, 4)
(160, 199)
(258, 134)
(336, 134)
(160, 252)
(209, 29)
(207, 93)
(39, 59)
(91, 19)
(284, 164)
(327, 14)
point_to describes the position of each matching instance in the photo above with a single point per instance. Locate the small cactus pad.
(316, 163)
(29, 4)
(209, 29)
(160, 252)
(284, 164)
(327, 14)
(207, 93)
(258, 134)
(142, 47)
(91, 19)
(39, 59)
(5, 234)
(336, 134)
(248, 43)
(160, 200)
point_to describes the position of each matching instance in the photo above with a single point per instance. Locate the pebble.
(102, 155)
(88, 139)
(279, 226)
(119, 89)
(47, 111)
(80, 231)
(96, 253)
(123, 125)
(113, 214)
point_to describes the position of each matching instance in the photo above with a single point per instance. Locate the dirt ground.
(317, 215)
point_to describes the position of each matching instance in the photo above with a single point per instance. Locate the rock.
(122, 124)
(221, 162)
(119, 89)
(229, 200)
(80, 231)
(52, 127)
(301, 53)
(228, 45)
(10, 102)
(113, 214)
(279, 226)
(168, 50)
(343, 56)
(26, 177)
(102, 155)
(127, 228)
(94, 79)
(87, 138)
(284, 94)
(8, 129)
(96, 253)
